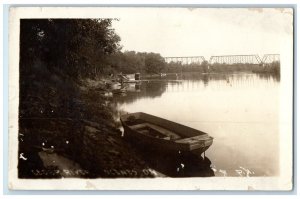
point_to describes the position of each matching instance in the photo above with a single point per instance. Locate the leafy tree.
(74, 46)
(154, 63)
(132, 62)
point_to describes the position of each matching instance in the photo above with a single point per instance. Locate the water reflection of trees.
(150, 89)
(274, 77)
(206, 77)
(155, 88)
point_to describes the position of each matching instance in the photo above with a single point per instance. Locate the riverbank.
(66, 129)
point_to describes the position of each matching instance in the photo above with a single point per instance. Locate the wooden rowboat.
(160, 134)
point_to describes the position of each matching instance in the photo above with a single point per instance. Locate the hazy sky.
(205, 32)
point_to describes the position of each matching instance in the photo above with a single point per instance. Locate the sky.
(205, 31)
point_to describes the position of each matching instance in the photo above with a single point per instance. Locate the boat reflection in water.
(177, 165)
(187, 165)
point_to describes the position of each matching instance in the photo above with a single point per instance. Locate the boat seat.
(169, 135)
(138, 126)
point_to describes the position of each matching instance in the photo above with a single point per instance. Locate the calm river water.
(239, 110)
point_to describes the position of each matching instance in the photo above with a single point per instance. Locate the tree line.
(80, 48)
(91, 48)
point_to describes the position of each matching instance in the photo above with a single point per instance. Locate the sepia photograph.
(151, 98)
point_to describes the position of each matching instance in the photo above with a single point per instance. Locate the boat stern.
(201, 146)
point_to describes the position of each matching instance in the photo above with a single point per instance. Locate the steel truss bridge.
(235, 59)
(226, 59)
(185, 60)
(269, 58)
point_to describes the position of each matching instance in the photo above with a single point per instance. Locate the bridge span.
(235, 59)
(226, 59)
(269, 58)
(185, 60)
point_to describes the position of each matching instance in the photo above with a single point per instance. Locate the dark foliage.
(204, 67)
(132, 62)
(71, 47)
(273, 68)
(54, 56)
